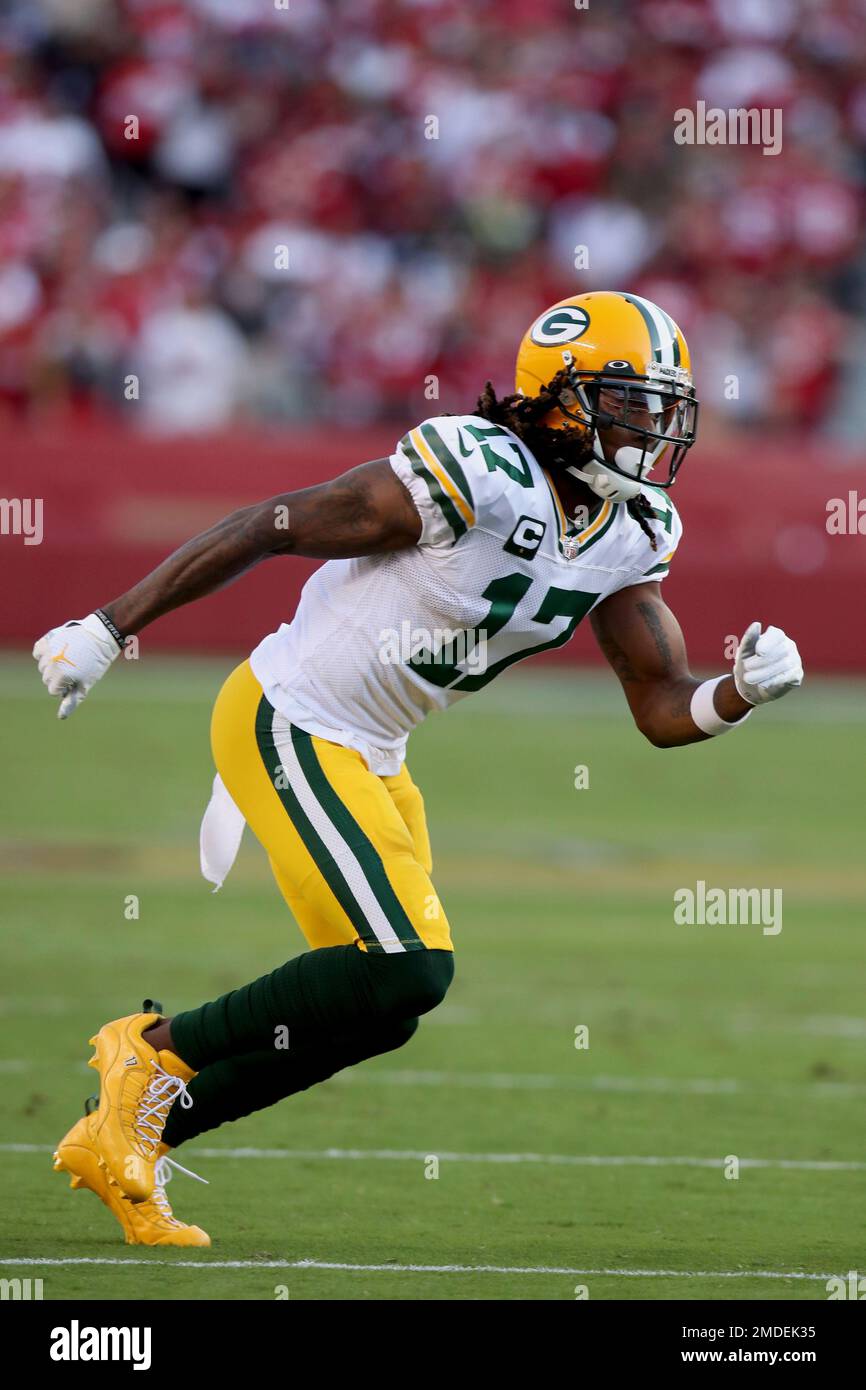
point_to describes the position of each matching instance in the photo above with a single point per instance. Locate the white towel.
(220, 836)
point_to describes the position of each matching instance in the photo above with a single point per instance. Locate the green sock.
(335, 990)
(235, 1087)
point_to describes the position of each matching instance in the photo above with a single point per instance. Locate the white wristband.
(705, 714)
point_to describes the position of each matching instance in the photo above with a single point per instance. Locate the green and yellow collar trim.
(573, 542)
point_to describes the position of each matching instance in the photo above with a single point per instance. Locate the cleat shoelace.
(157, 1098)
(162, 1177)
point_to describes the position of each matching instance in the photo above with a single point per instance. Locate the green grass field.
(704, 1041)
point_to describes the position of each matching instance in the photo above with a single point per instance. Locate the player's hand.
(767, 665)
(72, 658)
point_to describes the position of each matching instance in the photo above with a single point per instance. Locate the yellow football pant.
(349, 850)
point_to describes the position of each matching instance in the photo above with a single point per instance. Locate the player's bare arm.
(644, 644)
(366, 511)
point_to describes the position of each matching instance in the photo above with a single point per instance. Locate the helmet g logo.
(561, 325)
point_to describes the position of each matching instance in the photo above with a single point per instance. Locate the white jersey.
(378, 643)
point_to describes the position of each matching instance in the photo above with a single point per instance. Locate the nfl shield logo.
(570, 547)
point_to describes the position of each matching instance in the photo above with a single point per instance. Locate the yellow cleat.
(137, 1088)
(144, 1223)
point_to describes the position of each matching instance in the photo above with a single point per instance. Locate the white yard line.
(541, 1081)
(534, 1081)
(554, 1160)
(426, 1269)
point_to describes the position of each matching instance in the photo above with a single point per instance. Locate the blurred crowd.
(348, 211)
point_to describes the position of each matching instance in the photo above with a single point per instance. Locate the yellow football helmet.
(626, 364)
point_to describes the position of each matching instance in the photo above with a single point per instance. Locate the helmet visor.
(644, 409)
(655, 411)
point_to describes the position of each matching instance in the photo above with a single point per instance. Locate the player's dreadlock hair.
(522, 414)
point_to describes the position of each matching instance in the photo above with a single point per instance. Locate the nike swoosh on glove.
(72, 658)
(767, 665)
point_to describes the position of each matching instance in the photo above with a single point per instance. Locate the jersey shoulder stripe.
(466, 474)
(451, 465)
(442, 492)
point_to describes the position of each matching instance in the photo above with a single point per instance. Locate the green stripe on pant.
(350, 831)
(318, 850)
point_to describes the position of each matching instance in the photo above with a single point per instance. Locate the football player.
(484, 537)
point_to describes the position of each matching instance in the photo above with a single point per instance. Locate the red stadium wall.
(755, 543)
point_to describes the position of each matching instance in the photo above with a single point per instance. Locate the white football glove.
(73, 657)
(767, 665)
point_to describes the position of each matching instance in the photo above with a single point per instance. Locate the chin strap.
(610, 484)
(606, 484)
